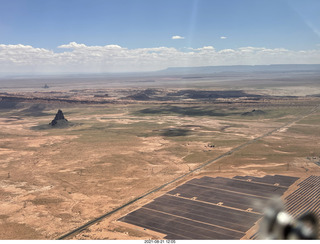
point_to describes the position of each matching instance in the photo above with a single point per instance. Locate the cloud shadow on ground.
(173, 132)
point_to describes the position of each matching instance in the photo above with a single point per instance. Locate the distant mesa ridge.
(59, 119)
(194, 71)
(242, 68)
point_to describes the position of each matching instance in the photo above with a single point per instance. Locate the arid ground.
(128, 136)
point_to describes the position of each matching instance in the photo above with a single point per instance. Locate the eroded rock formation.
(59, 119)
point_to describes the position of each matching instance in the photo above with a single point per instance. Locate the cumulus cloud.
(114, 58)
(177, 37)
(72, 45)
(206, 48)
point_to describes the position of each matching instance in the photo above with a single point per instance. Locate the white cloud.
(177, 37)
(223, 37)
(114, 58)
(72, 45)
(206, 48)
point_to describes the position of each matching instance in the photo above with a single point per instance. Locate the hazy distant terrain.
(131, 133)
(256, 76)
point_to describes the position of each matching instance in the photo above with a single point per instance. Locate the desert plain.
(128, 136)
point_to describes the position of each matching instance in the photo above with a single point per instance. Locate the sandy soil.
(54, 180)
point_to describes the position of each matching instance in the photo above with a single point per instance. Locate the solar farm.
(305, 198)
(215, 208)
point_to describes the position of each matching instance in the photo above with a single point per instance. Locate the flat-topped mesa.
(59, 119)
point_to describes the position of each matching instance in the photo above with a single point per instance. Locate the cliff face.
(59, 119)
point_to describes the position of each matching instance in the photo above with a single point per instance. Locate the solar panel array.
(306, 198)
(303, 200)
(209, 208)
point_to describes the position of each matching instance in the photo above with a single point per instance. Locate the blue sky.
(135, 24)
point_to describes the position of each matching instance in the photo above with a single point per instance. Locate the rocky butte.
(59, 120)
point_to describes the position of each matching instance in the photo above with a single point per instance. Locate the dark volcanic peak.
(59, 119)
(59, 115)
